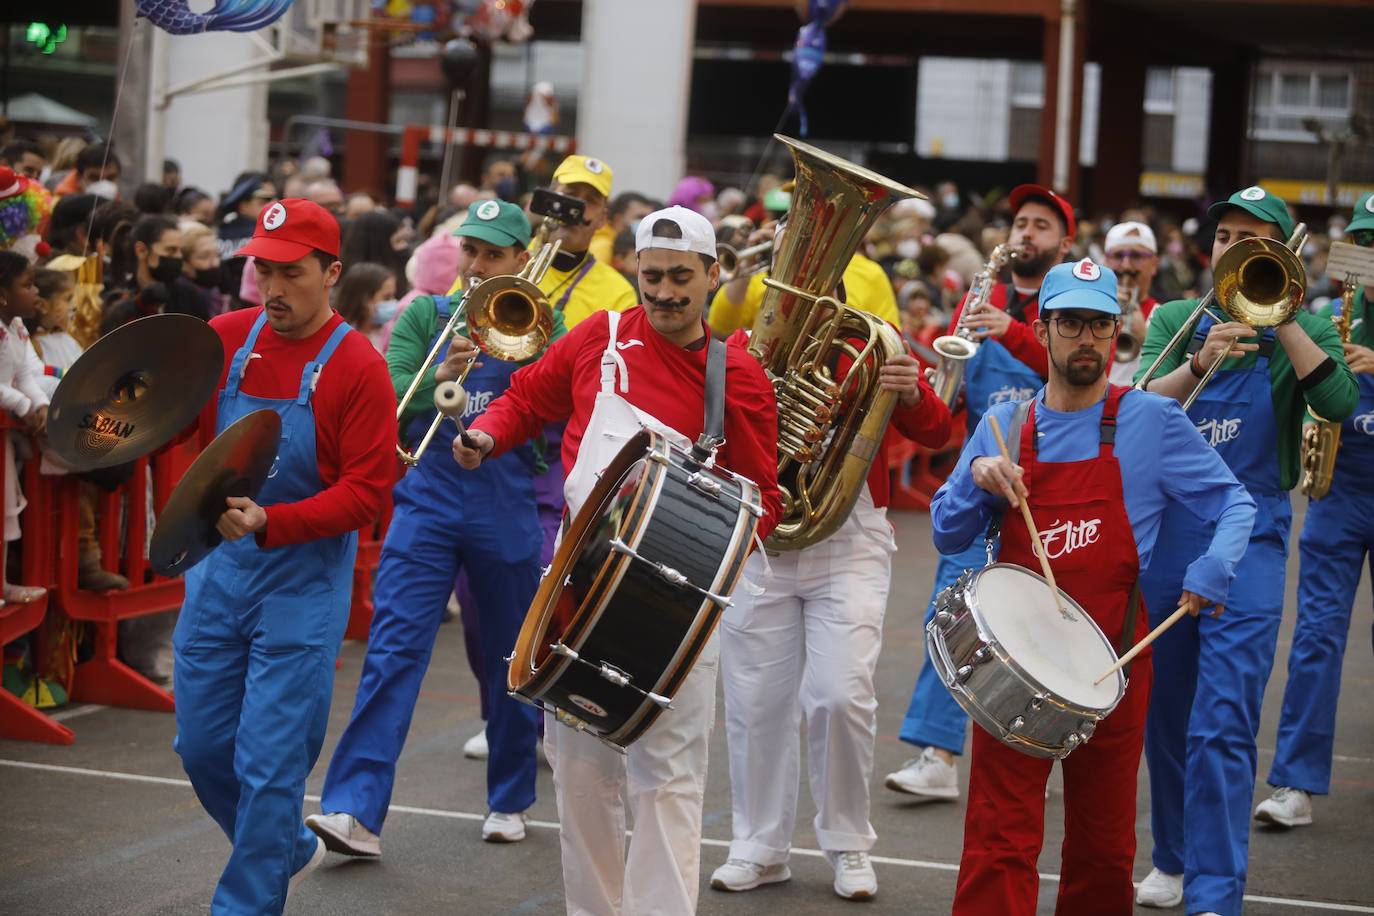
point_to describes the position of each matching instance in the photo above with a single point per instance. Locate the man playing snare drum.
(1098, 465)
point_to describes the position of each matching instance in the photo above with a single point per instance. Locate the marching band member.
(1088, 452)
(265, 613)
(445, 519)
(1336, 536)
(1009, 366)
(609, 377)
(816, 615)
(1200, 738)
(1133, 254)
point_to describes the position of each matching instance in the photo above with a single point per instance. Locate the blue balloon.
(809, 53)
(175, 16)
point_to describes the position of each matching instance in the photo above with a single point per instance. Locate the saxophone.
(1321, 440)
(829, 428)
(955, 350)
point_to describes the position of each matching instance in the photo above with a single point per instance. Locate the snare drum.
(1018, 667)
(635, 590)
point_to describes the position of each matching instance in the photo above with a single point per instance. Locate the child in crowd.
(21, 392)
(55, 346)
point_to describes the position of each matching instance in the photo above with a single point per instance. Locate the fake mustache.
(656, 302)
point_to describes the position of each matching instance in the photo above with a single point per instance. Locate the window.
(1027, 84)
(1159, 90)
(1286, 96)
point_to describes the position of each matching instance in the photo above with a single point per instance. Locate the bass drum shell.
(1019, 668)
(628, 616)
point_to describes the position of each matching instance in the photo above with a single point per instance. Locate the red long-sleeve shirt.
(1020, 336)
(666, 382)
(355, 424)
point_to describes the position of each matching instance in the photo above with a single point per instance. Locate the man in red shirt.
(612, 374)
(264, 614)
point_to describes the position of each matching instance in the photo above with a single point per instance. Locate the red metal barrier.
(917, 472)
(364, 568)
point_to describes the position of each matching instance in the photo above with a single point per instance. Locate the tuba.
(829, 429)
(955, 350)
(1321, 440)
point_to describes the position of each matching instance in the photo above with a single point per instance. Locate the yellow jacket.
(866, 287)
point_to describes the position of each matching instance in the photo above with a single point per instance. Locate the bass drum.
(635, 590)
(1018, 667)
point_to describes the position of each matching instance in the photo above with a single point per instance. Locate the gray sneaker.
(1160, 890)
(925, 775)
(743, 875)
(854, 875)
(1287, 807)
(342, 833)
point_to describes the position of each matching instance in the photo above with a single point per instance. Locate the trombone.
(729, 258)
(507, 317)
(1258, 281)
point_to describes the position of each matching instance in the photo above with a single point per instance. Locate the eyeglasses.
(1363, 237)
(1072, 328)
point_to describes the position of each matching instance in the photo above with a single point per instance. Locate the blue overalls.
(933, 718)
(446, 518)
(1204, 717)
(1337, 535)
(255, 647)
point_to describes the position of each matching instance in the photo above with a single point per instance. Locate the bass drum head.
(578, 566)
(1064, 657)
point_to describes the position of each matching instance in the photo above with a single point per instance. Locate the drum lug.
(982, 655)
(1087, 728)
(669, 574)
(1072, 740)
(614, 675)
(705, 483)
(659, 700)
(1016, 724)
(943, 619)
(558, 648)
(963, 674)
(1037, 702)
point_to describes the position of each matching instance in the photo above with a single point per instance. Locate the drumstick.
(1030, 526)
(1139, 647)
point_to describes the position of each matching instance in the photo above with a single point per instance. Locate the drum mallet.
(1139, 647)
(451, 399)
(1030, 526)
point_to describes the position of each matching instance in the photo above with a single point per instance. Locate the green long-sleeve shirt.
(1334, 396)
(411, 339)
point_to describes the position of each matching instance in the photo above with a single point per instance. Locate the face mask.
(909, 249)
(949, 201)
(1174, 249)
(710, 210)
(506, 188)
(210, 278)
(1309, 250)
(106, 189)
(166, 270)
(384, 311)
(634, 225)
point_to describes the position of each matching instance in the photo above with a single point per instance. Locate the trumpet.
(1258, 281)
(1127, 344)
(729, 258)
(506, 316)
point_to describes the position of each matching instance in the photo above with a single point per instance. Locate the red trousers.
(1005, 825)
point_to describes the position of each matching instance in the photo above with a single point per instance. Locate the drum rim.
(988, 635)
(522, 675)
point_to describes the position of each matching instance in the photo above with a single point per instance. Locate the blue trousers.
(420, 558)
(1336, 538)
(253, 676)
(1209, 681)
(933, 718)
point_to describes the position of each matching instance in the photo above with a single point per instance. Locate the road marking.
(76, 712)
(706, 841)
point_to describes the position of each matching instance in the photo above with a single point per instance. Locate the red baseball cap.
(1024, 192)
(290, 229)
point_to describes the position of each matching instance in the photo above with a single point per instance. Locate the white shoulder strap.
(611, 360)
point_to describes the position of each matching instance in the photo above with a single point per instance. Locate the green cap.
(1363, 217)
(1260, 204)
(497, 222)
(777, 201)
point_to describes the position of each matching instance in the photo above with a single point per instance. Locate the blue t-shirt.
(1162, 458)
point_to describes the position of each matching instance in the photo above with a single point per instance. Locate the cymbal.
(133, 390)
(235, 464)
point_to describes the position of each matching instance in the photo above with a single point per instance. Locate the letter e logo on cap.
(1369, 203)
(488, 210)
(1087, 270)
(274, 217)
(1252, 193)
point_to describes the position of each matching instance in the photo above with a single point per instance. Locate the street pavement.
(109, 825)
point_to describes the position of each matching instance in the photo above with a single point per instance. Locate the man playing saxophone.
(445, 520)
(1010, 365)
(1337, 535)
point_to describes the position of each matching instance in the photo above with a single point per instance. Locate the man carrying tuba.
(445, 520)
(1210, 672)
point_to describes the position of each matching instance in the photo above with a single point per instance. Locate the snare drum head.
(1063, 656)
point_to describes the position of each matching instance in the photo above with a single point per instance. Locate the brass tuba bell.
(829, 428)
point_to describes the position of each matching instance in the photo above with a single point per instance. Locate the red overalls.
(1004, 828)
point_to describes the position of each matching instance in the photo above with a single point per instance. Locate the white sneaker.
(315, 859)
(500, 827)
(1287, 807)
(476, 746)
(1160, 890)
(342, 833)
(743, 875)
(926, 775)
(854, 877)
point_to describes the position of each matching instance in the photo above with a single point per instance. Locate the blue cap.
(1081, 284)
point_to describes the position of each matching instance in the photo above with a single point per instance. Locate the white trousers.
(664, 774)
(804, 640)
